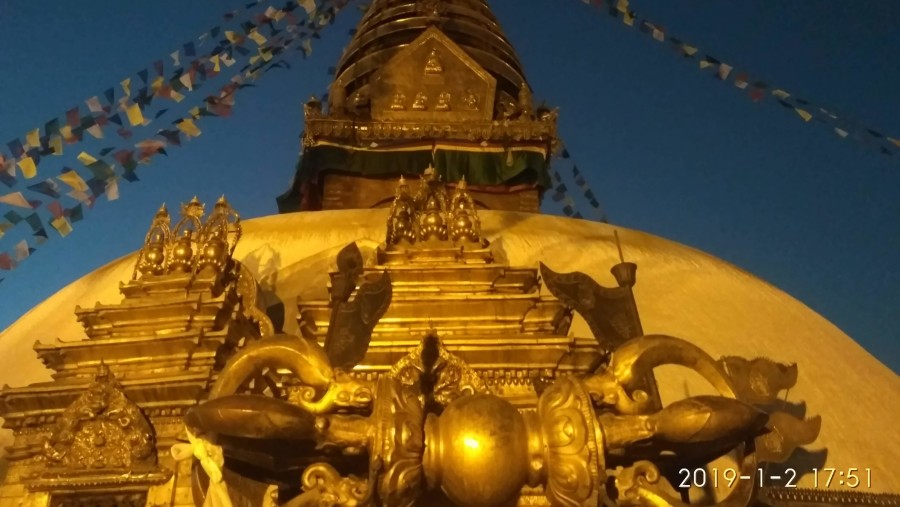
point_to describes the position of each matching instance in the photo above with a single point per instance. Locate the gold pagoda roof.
(391, 25)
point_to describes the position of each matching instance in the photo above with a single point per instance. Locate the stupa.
(419, 334)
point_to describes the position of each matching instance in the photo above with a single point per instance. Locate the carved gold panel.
(433, 79)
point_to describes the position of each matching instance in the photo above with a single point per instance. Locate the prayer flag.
(135, 117)
(28, 167)
(62, 225)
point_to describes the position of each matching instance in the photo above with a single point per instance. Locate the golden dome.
(680, 291)
(390, 25)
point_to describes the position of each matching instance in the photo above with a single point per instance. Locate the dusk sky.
(668, 148)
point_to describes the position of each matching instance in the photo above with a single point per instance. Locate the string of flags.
(132, 107)
(71, 195)
(756, 90)
(560, 192)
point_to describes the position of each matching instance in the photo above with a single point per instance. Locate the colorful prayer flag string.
(105, 179)
(133, 105)
(756, 90)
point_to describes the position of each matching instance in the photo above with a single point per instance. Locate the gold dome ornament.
(185, 238)
(152, 256)
(219, 237)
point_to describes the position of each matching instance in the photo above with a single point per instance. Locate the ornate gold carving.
(402, 224)
(192, 245)
(186, 232)
(419, 102)
(443, 102)
(433, 63)
(445, 375)
(398, 443)
(398, 103)
(574, 466)
(471, 100)
(102, 429)
(464, 222)
(431, 216)
(152, 257)
(416, 71)
(323, 486)
(219, 237)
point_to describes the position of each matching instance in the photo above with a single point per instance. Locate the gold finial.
(462, 183)
(222, 201)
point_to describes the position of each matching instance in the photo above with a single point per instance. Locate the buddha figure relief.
(419, 102)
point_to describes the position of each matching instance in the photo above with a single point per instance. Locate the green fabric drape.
(479, 169)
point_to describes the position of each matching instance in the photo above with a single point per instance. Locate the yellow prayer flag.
(689, 50)
(188, 127)
(256, 37)
(86, 158)
(628, 18)
(74, 180)
(29, 170)
(266, 55)
(895, 141)
(254, 59)
(135, 116)
(622, 6)
(231, 36)
(704, 63)
(56, 145)
(66, 132)
(803, 114)
(33, 138)
(157, 83)
(177, 97)
(62, 226)
(195, 112)
(216, 66)
(126, 87)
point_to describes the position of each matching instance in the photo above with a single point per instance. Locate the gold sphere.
(479, 448)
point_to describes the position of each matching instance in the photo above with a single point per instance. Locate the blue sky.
(667, 148)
